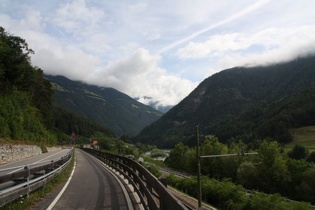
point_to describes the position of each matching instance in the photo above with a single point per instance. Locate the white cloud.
(293, 42)
(265, 47)
(33, 21)
(139, 76)
(56, 58)
(273, 56)
(113, 43)
(213, 46)
(76, 16)
(238, 14)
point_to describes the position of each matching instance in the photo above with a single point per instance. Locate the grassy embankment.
(304, 136)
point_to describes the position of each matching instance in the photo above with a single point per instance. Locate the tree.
(298, 152)
(158, 153)
(306, 190)
(296, 168)
(105, 142)
(125, 138)
(177, 156)
(247, 175)
(212, 166)
(42, 97)
(15, 67)
(311, 157)
(272, 171)
(17, 74)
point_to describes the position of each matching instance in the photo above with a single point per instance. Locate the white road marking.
(63, 189)
(48, 156)
(35, 162)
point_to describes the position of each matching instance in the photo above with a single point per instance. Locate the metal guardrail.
(30, 177)
(153, 194)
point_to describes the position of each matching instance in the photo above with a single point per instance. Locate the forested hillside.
(26, 97)
(244, 103)
(27, 113)
(273, 119)
(106, 106)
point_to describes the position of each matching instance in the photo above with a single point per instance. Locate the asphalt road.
(91, 186)
(54, 155)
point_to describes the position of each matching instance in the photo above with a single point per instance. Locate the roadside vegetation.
(272, 171)
(224, 194)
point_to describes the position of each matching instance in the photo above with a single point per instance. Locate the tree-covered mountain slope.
(107, 106)
(27, 113)
(225, 96)
(274, 119)
(25, 96)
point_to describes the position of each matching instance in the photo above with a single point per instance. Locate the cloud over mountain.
(158, 51)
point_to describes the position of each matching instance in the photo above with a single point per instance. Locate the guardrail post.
(28, 179)
(148, 184)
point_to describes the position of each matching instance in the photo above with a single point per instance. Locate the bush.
(157, 153)
(227, 195)
(154, 170)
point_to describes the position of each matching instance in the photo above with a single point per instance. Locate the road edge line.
(63, 189)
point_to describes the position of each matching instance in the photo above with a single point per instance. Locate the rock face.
(51, 149)
(10, 153)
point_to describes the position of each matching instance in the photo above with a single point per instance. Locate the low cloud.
(139, 76)
(266, 47)
(114, 43)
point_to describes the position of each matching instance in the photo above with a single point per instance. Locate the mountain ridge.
(226, 94)
(107, 106)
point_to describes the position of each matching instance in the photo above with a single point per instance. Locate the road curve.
(54, 155)
(92, 186)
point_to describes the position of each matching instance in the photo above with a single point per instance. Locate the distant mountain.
(222, 99)
(162, 109)
(156, 105)
(107, 106)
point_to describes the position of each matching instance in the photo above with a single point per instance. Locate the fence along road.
(91, 186)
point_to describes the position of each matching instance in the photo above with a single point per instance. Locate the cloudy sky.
(158, 50)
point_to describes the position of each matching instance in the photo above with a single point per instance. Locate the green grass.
(304, 136)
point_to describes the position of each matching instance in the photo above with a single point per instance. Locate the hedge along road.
(90, 186)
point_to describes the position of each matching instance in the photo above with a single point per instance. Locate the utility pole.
(198, 168)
